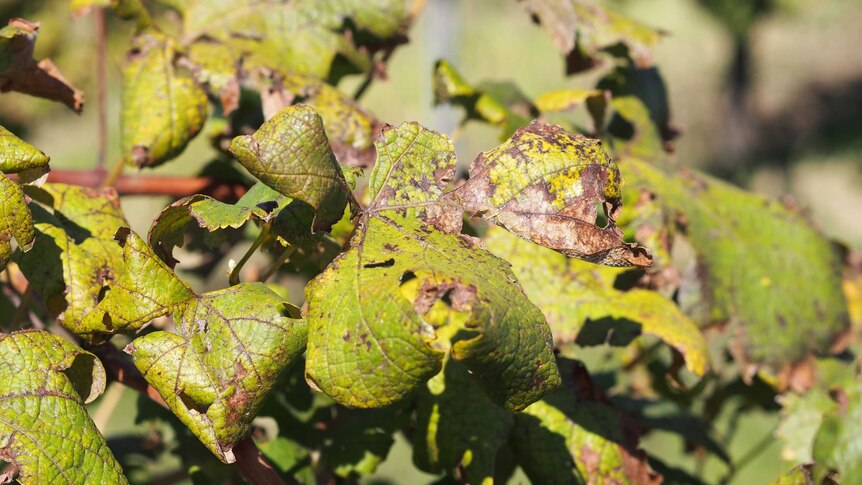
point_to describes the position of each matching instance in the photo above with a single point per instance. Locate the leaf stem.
(233, 279)
(114, 175)
(288, 251)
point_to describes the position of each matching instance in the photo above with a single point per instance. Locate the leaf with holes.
(44, 427)
(575, 296)
(545, 185)
(230, 347)
(290, 153)
(163, 108)
(20, 72)
(384, 313)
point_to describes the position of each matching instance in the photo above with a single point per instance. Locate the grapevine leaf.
(544, 185)
(306, 36)
(566, 99)
(215, 67)
(349, 127)
(836, 445)
(74, 256)
(646, 86)
(584, 32)
(384, 313)
(637, 135)
(20, 72)
(163, 108)
(458, 426)
(260, 202)
(500, 104)
(791, 277)
(290, 153)
(230, 347)
(17, 156)
(802, 416)
(44, 428)
(575, 436)
(16, 221)
(573, 294)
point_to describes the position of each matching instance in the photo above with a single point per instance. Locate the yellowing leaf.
(20, 72)
(163, 108)
(44, 428)
(545, 185)
(290, 153)
(16, 155)
(573, 293)
(16, 221)
(383, 314)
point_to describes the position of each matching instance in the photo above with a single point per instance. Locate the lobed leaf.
(44, 427)
(74, 256)
(163, 108)
(384, 313)
(544, 185)
(575, 296)
(20, 72)
(290, 153)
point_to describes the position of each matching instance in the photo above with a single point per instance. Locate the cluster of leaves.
(449, 310)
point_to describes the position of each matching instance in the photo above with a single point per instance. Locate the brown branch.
(102, 74)
(250, 462)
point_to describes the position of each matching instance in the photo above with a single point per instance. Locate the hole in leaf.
(407, 276)
(601, 215)
(191, 404)
(382, 264)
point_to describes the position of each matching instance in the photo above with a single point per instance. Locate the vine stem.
(114, 174)
(233, 278)
(288, 251)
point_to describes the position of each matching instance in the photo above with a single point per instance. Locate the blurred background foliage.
(766, 94)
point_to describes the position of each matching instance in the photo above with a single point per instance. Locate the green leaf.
(769, 273)
(544, 185)
(20, 72)
(163, 108)
(44, 428)
(16, 221)
(836, 445)
(215, 67)
(638, 136)
(305, 36)
(74, 256)
(17, 156)
(802, 416)
(575, 436)
(500, 104)
(596, 101)
(290, 153)
(458, 427)
(799, 475)
(574, 295)
(384, 313)
(584, 32)
(349, 127)
(230, 347)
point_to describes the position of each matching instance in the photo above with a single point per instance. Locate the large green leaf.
(459, 430)
(573, 294)
(163, 108)
(74, 256)
(20, 72)
(575, 436)
(584, 31)
(384, 313)
(16, 155)
(760, 266)
(545, 185)
(290, 153)
(230, 347)
(44, 428)
(16, 221)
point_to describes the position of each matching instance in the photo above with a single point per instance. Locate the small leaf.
(584, 31)
(44, 427)
(290, 153)
(20, 72)
(383, 314)
(575, 436)
(17, 156)
(545, 185)
(230, 347)
(458, 427)
(163, 108)
(16, 221)
(573, 295)
(74, 257)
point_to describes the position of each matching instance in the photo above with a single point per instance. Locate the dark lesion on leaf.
(454, 294)
(381, 264)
